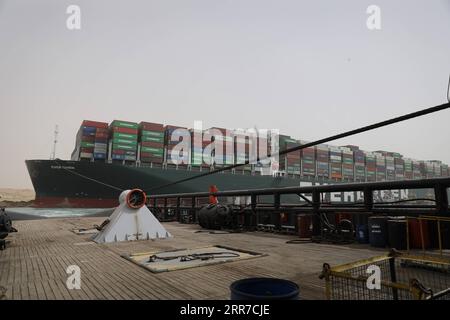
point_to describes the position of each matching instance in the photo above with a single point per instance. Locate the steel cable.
(88, 178)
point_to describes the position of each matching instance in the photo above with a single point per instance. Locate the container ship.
(110, 158)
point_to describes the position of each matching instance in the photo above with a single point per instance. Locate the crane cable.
(321, 141)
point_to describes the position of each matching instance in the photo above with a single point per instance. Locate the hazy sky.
(308, 68)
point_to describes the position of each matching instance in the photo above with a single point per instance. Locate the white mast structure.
(55, 141)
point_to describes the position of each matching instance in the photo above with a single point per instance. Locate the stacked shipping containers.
(335, 163)
(322, 161)
(371, 166)
(381, 166)
(224, 141)
(360, 163)
(437, 168)
(151, 137)
(417, 172)
(124, 140)
(390, 166)
(408, 168)
(197, 148)
(228, 145)
(263, 150)
(171, 140)
(399, 164)
(289, 162)
(348, 165)
(389, 163)
(242, 147)
(427, 169)
(444, 170)
(92, 141)
(101, 142)
(282, 147)
(308, 161)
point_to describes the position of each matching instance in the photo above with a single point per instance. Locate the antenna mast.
(55, 141)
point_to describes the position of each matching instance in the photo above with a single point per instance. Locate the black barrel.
(397, 234)
(378, 231)
(264, 289)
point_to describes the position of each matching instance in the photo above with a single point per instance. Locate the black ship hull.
(60, 183)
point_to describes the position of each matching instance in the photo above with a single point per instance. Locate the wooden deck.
(33, 266)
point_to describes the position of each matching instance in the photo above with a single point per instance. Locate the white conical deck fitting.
(131, 220)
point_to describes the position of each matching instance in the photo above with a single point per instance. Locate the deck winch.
(131, 220)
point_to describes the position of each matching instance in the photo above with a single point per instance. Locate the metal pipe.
(368, 186)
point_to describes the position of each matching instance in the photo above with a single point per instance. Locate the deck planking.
(34, 264)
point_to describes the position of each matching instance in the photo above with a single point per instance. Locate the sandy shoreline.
(10, 197)
(16, 195)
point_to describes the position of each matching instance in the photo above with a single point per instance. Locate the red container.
(415, 238)
(96, 124)
(118, 151)
(101, 140)
(102, 130)
(149, 126)
(304, 226)
(101, 135)
(124, 130)
(87, 139)
(149, 155)
(87, 150)
(152, 144)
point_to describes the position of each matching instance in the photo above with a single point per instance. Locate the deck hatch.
(179, 259)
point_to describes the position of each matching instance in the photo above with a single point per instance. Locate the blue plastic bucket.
(264, 289)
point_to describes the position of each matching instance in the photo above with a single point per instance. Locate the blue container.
(118, 157)
(99, 155)
(264, 289)
(362, 233)
(89, 131)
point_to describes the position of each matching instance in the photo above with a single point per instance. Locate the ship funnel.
(131, 220)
